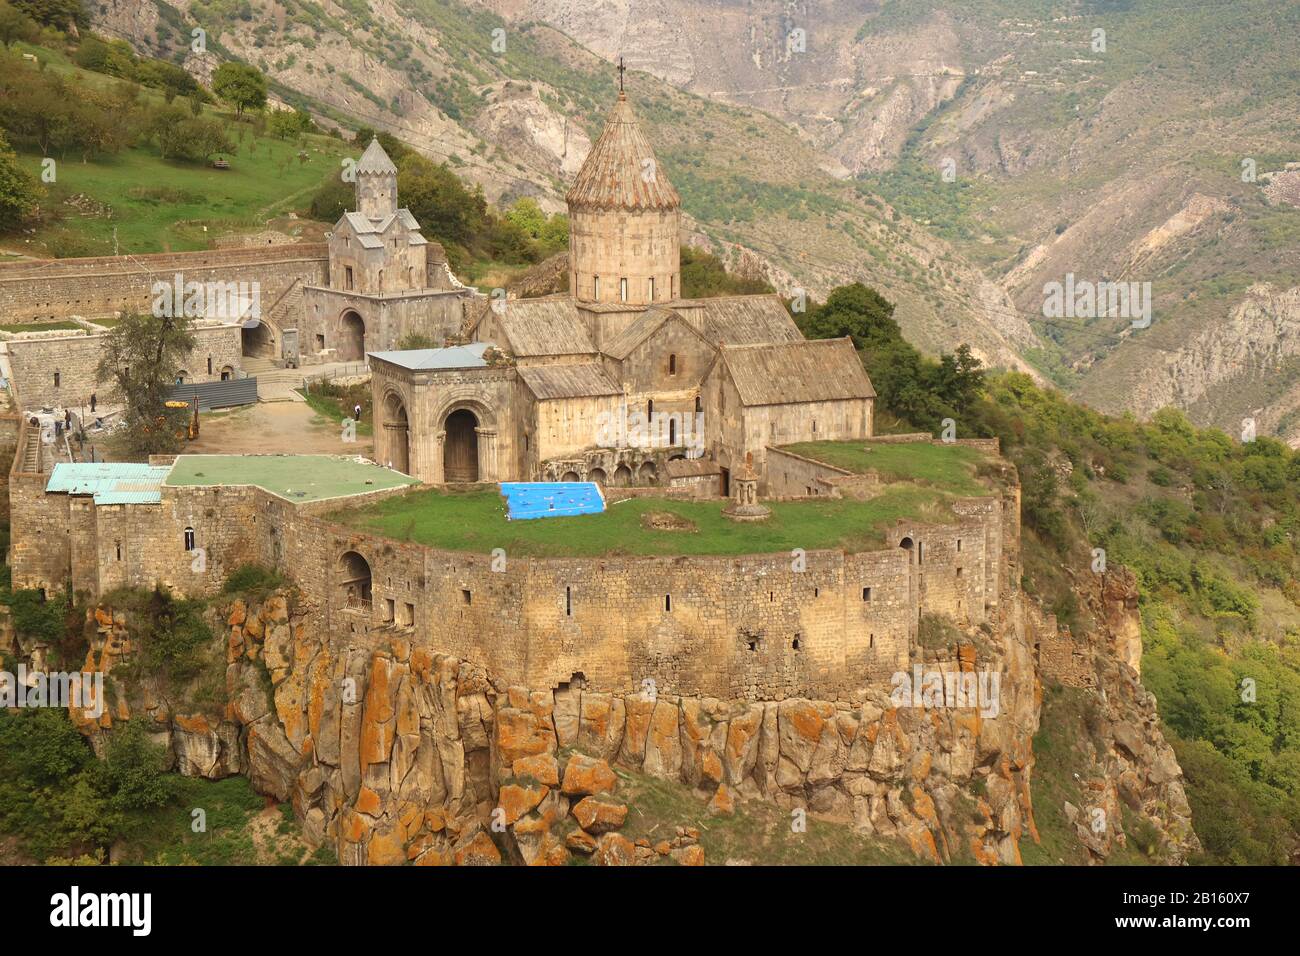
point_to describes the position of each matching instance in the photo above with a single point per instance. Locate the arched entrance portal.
(354, 580)
(396, 434)
(257, 339)
(352, 337)
(460, 448)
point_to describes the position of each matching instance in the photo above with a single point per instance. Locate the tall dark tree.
(141, 357)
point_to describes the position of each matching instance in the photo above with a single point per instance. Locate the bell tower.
(624, 218)
(376, 183)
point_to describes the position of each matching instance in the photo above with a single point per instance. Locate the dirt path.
(273, 427)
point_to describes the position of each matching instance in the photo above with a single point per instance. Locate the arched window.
(652, 288)
(595, 288)
(650, 408)
(672, 364)
(622, 290)
(189, 539)
(56, 379)
(698, 407)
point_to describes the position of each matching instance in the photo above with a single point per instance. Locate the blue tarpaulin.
(551, 499)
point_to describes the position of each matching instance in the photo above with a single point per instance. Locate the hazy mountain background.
(816, 159)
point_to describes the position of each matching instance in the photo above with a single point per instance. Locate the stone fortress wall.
(766, 626)
(60, 370)
(98, 287)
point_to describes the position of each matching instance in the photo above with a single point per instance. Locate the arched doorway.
(460, 447)
(570, 476)
(597, 475)
(256, 339)
(396, 434)
(352, 337)
(646, 473)
(354, 580)
(622, 476)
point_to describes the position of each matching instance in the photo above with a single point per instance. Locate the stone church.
(385, 280)
(621, 380)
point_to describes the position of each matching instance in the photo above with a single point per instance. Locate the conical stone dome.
(621, 171)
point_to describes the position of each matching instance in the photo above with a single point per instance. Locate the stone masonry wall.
(105, 285)
(76, 360)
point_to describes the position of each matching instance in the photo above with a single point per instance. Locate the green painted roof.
(292, 477)
(110, 482)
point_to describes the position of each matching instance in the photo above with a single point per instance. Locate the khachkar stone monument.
(744, 497)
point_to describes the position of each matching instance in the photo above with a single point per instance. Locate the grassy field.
(242, 828)
(40, 327)
(158, 205)
(296, 477)
(946, 468)
(476, 521)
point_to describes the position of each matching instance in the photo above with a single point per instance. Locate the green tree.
(240, 85)
(16, 25)
(141, 357)
(19, 191)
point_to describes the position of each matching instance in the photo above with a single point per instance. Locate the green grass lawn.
(159, 205)
(947, 468)
(40, 327)
(295, 477)
(476, 521)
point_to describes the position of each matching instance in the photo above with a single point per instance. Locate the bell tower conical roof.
(621, 171)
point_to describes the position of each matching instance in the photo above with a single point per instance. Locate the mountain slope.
(1126, 154)
(516, 111)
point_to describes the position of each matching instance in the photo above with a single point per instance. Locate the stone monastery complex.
(620, 381)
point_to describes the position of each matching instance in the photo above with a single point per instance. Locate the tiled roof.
(817, 371)
(621, 171)
(567, 381)
(111, 483)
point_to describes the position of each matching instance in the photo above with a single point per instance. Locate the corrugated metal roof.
(111, 483)
(455, 356)
(621, 171)
(818, 371)
(567, 381)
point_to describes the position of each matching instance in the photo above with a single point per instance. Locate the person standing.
(356, 412)
(92, 403)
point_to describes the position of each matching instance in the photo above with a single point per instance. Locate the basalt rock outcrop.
(393, 753)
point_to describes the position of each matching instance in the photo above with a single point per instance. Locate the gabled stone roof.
(822, 370)
(623, 344)
(375, 160)
(584, 380)
(742, 319)
(537, 327)
(621, 171)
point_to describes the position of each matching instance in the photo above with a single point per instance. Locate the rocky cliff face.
(394, 753)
